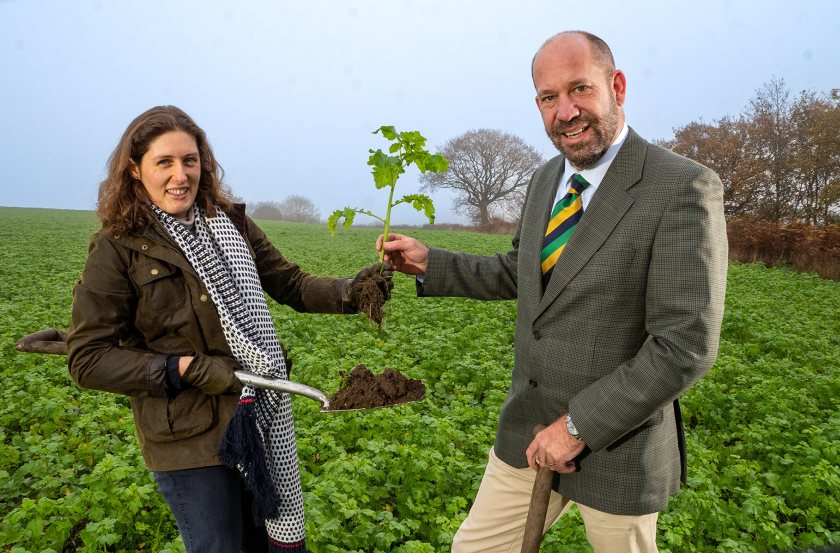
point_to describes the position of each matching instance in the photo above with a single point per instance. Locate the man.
(619, 312)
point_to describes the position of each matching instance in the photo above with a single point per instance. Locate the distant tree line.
(295, 208)
(779, 160)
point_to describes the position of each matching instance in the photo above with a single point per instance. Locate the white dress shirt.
(593, 176)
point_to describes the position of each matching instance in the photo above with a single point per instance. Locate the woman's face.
(170, 171)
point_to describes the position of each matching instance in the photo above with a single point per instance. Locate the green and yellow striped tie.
(564, 218)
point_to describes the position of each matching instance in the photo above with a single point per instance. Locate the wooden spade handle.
(539, 506)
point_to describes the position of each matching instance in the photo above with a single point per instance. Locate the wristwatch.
(570, 426)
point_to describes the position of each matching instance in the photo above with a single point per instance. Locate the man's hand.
(554, 448)
(406, 254)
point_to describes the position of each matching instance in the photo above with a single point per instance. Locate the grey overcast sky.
(289, 92)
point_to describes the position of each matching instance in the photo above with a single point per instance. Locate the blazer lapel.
(535, 219)
(609, 204)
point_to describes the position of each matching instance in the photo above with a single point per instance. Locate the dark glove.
(379, 274)
(213, 374)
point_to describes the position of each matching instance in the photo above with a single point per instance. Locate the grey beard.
(586, 157)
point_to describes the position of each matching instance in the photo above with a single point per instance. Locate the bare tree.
(299, 209)
(266, 210)
(489, 170)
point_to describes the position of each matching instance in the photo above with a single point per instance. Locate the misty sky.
(289, 92)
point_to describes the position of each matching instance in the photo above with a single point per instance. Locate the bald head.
(599, 51)
(580, 95)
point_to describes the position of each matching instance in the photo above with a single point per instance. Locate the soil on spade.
(361, 389)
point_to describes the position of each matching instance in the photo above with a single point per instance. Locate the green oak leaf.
(348, 213)
(386, 169)
(387, 131)
(438, 164)
(420, 202)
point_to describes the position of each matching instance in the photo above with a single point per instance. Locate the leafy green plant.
(406, 148)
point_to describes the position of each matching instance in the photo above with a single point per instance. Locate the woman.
(170, 303)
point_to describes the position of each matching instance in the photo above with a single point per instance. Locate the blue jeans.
(212, 510)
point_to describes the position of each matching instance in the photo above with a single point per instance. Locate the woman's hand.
(212, 374)
(361, 291)
(183, 363)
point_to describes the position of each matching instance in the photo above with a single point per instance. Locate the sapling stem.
(387, 221)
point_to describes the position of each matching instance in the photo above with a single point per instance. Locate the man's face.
(579, 102)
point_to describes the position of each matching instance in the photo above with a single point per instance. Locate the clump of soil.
(362, 389)
(372, 295)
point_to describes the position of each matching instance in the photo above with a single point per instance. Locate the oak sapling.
(406, 148)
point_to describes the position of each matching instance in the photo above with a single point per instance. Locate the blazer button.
(537, 335)
(203, 297)
(533, 383)
(144, 247)
(155, 272)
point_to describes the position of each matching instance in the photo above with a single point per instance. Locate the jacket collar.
(155, 242)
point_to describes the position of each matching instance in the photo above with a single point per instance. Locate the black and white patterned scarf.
(260, 439)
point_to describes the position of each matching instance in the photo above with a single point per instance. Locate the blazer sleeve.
(683, 312)
(480, 277)
(472, 276)
(483, 277)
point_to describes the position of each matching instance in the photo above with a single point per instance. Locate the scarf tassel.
(242, 449)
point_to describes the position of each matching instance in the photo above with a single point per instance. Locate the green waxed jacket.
(138, 302)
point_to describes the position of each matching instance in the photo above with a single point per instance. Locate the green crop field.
(763, 426)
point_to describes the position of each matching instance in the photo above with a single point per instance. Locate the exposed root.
(371, 297)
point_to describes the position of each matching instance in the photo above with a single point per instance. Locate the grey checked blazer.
(629, 320)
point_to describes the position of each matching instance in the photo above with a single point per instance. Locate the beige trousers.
(496, 520)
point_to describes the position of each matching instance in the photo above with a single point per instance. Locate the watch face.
(570, 426)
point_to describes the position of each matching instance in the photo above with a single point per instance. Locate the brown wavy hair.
(122, 198)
